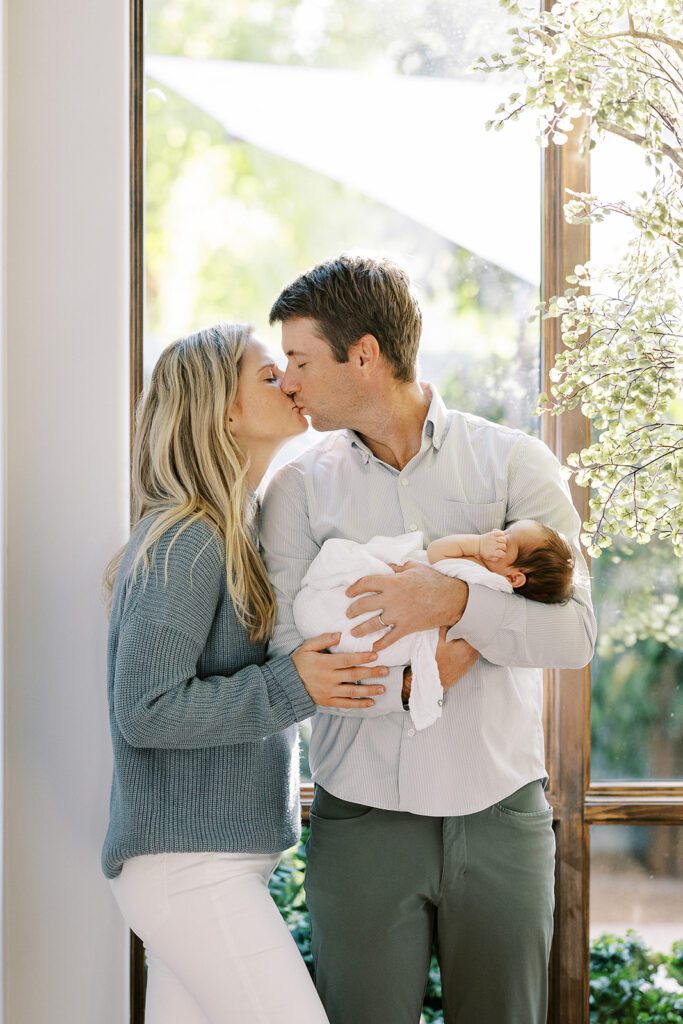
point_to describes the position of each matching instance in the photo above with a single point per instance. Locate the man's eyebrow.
(294, 352)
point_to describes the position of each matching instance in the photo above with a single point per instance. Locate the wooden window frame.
(578, 802)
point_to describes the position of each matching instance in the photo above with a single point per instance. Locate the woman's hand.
(332, 680)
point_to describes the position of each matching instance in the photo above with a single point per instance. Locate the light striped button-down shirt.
(469, 476)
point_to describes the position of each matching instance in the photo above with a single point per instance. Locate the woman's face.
(262, 412)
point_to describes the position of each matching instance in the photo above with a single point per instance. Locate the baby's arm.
(468, 545)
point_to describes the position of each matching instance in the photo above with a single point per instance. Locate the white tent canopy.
(415, 144)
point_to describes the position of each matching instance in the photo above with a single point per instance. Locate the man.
(442, 833)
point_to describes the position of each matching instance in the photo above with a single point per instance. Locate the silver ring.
(385, 624)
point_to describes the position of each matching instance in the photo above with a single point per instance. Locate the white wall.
(65, 948)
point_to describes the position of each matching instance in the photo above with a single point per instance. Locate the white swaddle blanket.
(321, 604)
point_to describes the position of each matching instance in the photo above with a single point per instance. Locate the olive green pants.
(384, 886)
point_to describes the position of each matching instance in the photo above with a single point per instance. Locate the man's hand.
(332, 680)
(454, 658)
(407, 684)
(416, 597)
(493, 545)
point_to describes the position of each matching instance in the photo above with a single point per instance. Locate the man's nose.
(288, 383)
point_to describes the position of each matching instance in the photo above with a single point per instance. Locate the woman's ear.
(516, 578)
(232, 418)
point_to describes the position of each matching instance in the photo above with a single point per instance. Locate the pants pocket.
(327, 807)
(529, 801)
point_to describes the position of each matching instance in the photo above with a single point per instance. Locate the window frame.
(578, 802)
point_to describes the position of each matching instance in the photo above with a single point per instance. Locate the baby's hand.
(493, 545)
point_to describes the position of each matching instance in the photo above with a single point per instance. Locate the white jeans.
(218, 950)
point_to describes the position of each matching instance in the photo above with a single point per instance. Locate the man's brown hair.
(549, 569)
(355, 295)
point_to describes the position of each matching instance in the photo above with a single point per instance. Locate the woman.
(205, 787)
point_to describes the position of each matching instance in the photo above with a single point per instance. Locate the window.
(280, 132)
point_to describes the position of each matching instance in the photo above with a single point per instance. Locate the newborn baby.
(502, 560)
(535, 559)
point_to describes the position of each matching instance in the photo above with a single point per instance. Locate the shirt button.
(404, 482)
(411, 732)
(413, 526)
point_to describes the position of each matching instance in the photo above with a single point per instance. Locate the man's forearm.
(508, 629)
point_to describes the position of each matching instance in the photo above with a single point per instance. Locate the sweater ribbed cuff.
(285, 677)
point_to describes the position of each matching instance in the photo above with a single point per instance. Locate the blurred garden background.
(282, 132)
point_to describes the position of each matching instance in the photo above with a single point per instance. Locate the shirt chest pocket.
(466, 517)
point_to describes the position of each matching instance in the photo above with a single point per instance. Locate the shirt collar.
(433, 431)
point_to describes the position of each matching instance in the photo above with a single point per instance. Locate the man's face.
(325, 390)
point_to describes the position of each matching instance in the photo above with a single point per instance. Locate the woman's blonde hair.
(187, 466)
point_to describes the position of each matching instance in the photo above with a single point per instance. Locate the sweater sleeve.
(159, 700)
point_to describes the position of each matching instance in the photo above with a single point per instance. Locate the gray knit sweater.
(203, 729)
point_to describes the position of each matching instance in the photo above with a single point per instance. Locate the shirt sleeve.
(159, 700)
(508, 629)
(288, 547)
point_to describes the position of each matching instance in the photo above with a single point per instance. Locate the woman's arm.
(159, 700)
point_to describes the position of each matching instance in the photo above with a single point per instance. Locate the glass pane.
(637, 675)
(637, 691)
(283, 132)
(636, 918)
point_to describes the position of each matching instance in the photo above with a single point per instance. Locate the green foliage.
(637, 713)
(287, 890)
(412, 36)
(622, 983)
(623, 988)
(616, 66)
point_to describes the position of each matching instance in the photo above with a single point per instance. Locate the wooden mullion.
(567, 692)
(628, 792)
(137, 204)
(636, 813)
(136, 106)
(306, 792)
(634, 803)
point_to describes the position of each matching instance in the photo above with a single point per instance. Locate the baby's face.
(524, 533)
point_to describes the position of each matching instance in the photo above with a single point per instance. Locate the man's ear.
(516, 578)
(366, 350)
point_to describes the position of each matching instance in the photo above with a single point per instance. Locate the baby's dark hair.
(548, 567)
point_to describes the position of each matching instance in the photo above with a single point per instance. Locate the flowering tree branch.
(617, 65)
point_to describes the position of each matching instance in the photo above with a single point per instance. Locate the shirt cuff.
(482, 618)
(391, 699)
(285, 675)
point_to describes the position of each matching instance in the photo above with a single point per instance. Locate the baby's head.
(538, 562)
